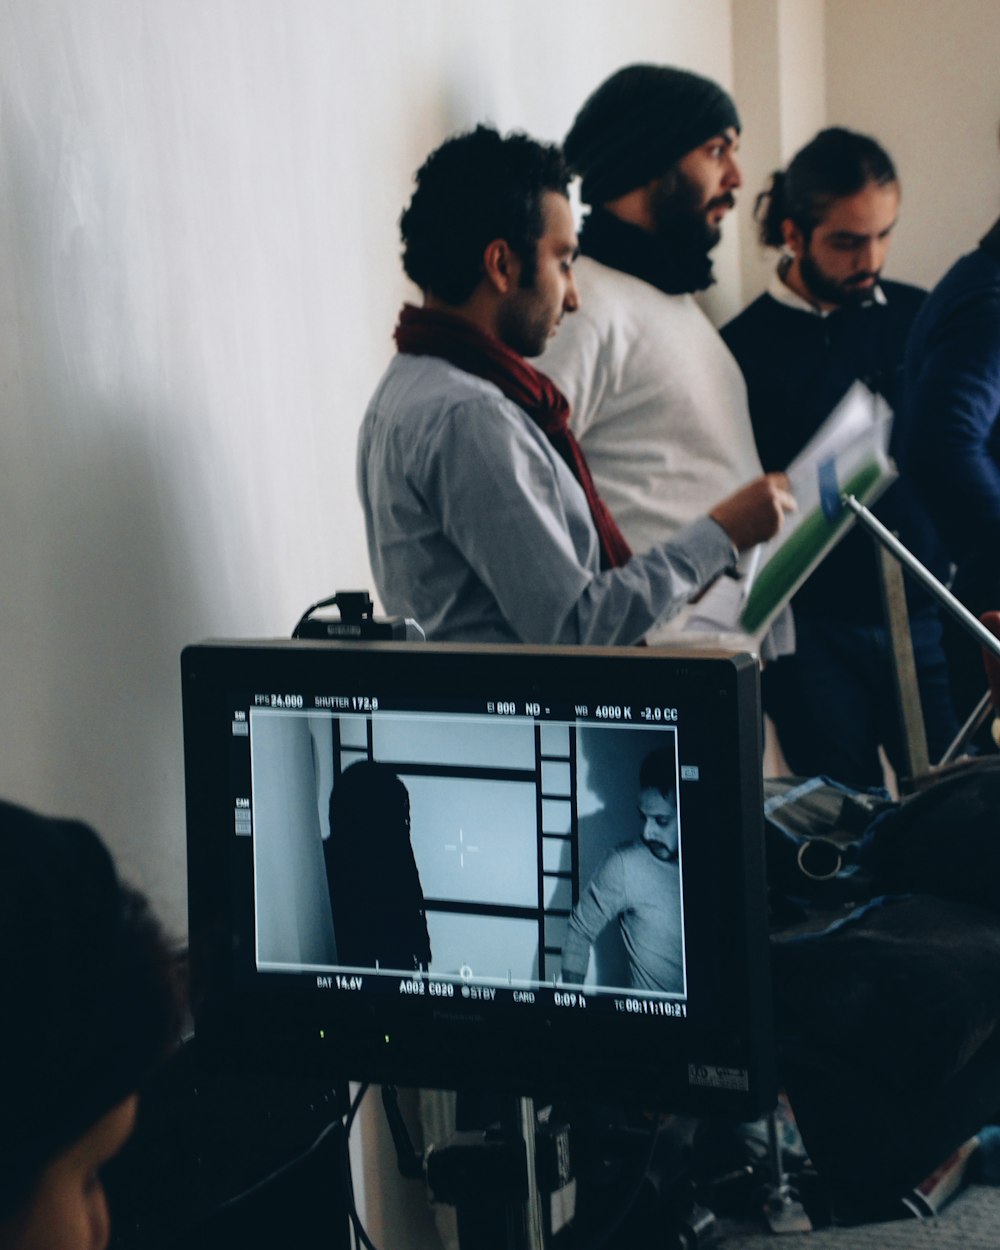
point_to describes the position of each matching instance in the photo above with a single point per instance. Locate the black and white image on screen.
(509, 819)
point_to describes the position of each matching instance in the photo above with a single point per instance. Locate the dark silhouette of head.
(375, 891)
(90, 1007)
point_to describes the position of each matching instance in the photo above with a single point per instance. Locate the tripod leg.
(782, 1209)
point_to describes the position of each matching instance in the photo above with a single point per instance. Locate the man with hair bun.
(658, 403)
(89, 1010)
(828, 319)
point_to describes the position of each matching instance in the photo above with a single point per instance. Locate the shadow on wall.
(95, 560)
(100, 650)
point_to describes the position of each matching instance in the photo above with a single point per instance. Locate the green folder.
(779, 578)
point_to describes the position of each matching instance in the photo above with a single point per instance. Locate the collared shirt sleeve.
(506, 501)
(602, 901)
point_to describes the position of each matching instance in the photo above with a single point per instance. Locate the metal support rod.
(782, 1208)
(904, 668)
(976, 720)
(533, 1207)
(778, 1177)
(941, 592)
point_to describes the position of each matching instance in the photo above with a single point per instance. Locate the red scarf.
(428, 332)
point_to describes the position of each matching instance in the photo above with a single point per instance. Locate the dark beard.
(680, 217)
(673, 269)
(828, 292)
(522, 331)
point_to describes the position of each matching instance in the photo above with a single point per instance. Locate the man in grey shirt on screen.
(638, 888)
(483, 522)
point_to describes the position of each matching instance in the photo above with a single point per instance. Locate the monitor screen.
(536, 870)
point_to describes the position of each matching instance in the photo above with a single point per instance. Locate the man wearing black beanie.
(89, 1007)
(659, 405)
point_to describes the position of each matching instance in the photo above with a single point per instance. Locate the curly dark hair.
(476, 187)
(91, 993)
(836, 163)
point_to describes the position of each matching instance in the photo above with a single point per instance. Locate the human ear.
(792, 237)
(501, 266)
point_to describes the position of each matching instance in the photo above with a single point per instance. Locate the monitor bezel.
(457, 1045)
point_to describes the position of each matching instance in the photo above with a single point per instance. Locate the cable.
(352, 1211)
(278, 1172)
(410, 1163)
(342, 1124)
(604, 1235)
(361, 1237)
(320, 603)
(355, 607)
(355, 1104)
(352, 1208)
(348, 1180)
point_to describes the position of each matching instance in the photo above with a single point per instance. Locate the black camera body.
(356, 622)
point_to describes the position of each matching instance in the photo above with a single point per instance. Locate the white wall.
(199, 260)
(198, 204)
(779, 79)
(919, 75)
(922, 76)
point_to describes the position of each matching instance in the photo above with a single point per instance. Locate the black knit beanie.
(88, 1006)
(638, 123)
